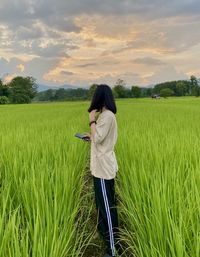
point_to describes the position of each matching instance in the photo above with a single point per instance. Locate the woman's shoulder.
(108, 113)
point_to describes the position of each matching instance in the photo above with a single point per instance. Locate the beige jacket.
(103, 163)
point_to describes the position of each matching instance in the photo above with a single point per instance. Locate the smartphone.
(83, 137)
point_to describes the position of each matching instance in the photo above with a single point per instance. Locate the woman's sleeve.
(102, 128)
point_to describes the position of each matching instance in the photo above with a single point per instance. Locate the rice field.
(45, 207)
(42, 167)
(159, 179)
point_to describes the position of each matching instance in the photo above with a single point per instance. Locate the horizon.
(67, 86)
(94, 42)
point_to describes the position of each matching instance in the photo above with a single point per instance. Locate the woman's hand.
(88, 135)
(92, 115)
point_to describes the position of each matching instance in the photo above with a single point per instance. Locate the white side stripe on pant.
(108, 215)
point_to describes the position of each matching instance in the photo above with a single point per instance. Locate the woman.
(103, 164)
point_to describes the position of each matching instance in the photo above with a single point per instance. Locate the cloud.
(160, 8)
(90, 43)
(9, 77)
(148, 61)
(97, 40)
(38, 66)
(21, 67)
(34, 31)
(167, 73)
(68, 73)
(86, 65)
(47, 49)
(10, 67)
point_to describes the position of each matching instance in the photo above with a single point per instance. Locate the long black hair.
(103, 96)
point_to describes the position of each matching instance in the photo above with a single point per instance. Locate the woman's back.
(103, 163)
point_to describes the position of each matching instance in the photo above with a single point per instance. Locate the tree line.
(18, 90)
(179, 88)
(24, 90)
(171, 88)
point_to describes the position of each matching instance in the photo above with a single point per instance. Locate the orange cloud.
(21, 67)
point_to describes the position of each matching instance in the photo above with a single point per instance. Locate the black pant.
(107, 213)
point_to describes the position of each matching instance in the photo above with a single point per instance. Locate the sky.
(82, 42)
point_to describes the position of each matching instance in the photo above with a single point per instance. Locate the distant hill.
(65, 86)
(46, 87)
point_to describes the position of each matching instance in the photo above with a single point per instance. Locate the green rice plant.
(158, 179)
(42, 166)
